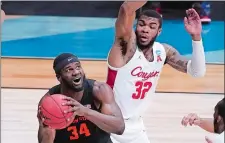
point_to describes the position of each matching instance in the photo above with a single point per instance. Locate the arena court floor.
(162, 120)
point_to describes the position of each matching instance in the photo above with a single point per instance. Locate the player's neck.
(146, 51)
(71, 93)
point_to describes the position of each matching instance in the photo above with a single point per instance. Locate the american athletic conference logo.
(158, 53)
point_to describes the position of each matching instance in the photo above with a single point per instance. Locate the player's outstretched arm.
(196, 66)
(204, 123)
(110, 119)
(124, 33)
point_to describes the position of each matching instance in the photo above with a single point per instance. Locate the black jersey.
(82, 130)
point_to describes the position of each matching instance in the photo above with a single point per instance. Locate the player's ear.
(219, 118)
(159, 31)
(59, 77)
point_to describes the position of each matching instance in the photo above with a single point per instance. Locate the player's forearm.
(108, 123)
(44, 136)
(132, 6)
(207, 124)
(45, 140)
(196, 66)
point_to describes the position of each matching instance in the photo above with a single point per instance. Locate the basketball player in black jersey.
(95, 110)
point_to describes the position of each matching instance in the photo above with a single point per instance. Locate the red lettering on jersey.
(75, 121)
(80, 118)
(144, 75)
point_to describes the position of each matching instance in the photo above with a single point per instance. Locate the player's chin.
(76, 86)
(144, 43)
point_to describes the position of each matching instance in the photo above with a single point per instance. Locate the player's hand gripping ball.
(51, 112)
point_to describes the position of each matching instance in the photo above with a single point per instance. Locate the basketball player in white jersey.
(135, 62)
(212, 125)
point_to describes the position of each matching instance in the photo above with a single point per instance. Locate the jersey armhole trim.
(114, 68)
(111, 67)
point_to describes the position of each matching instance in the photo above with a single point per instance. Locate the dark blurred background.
(170, 10)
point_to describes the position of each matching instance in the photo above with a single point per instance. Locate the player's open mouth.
(143, 38)
(77, 81)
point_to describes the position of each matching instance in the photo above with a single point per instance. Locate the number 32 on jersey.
(141, 89)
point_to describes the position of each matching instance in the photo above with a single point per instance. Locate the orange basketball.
(53, 111)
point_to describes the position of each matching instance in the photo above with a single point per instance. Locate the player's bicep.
(175, 59)
(107, 101)
(111, 108)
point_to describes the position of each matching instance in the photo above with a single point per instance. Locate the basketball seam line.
(52, 114)
(59, 108)
(62, 126)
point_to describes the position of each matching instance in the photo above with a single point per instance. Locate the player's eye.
(69, 70)
(141, 24)
(78, 67)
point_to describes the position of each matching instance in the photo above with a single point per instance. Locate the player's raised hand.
(192, 22)
(76, 107)
(191, 119)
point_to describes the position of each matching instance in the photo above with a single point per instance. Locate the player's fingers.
(184, 121)
(192, 118)
(72, 117)
(188, 12)
(41, 118)
(195, 14)
(70, 103)
(66, 98)
(185, 21)
(39, 109)
(208, 140)
(196, 122)
(72, 109)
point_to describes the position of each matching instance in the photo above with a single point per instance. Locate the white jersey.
(217, 138)
(134, 83)
(220, 138)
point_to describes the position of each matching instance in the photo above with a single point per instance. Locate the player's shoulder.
(167, 47)
(101, 90)
(55, 89)
(51, 91)
(99, 86)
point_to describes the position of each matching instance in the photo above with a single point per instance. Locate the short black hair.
(152, 13)
(220, 107)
